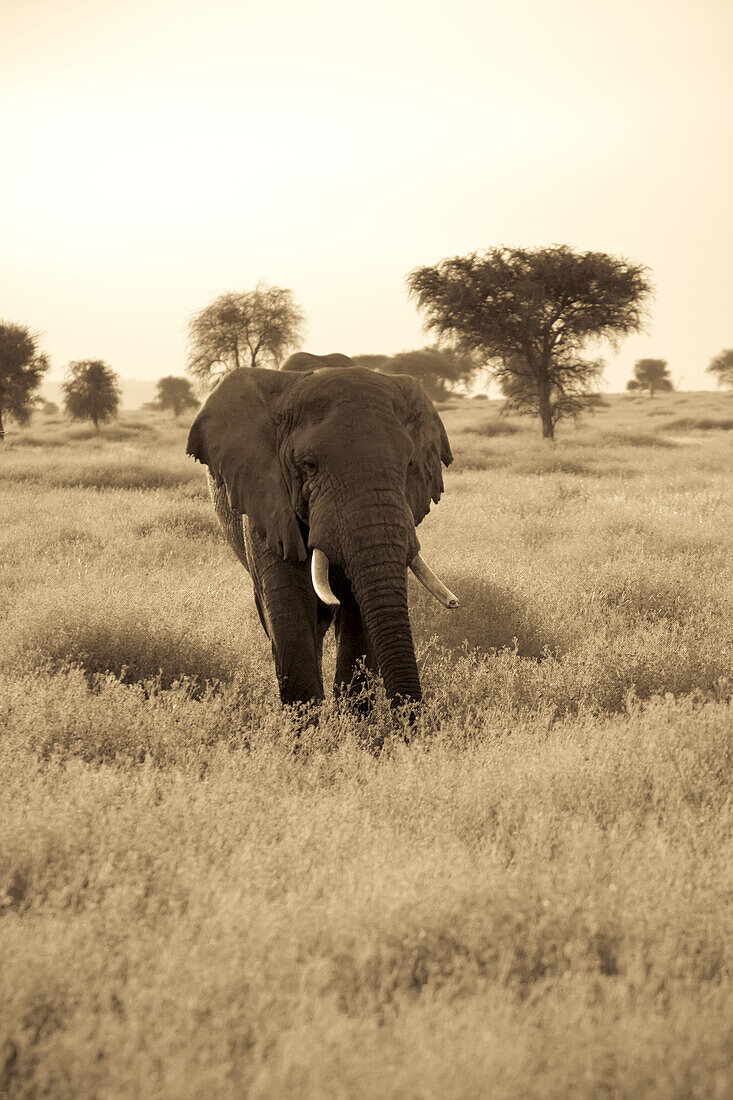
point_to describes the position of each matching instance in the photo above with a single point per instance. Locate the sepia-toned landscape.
(527, 893)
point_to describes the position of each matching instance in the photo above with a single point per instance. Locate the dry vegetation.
(531, 898)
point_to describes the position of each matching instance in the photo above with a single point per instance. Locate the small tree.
(91, 391)
(22, 367)
(531, 312)
(175, 394)
(650, 374)
(437, 368)
(255, 329)
(722, 366)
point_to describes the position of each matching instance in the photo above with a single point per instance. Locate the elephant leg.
(355, 657)
(289, 611)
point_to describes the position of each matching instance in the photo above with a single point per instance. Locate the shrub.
(697, 424)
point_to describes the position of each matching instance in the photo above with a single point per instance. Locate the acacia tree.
(253, 329)
(531, 312)
(175, 394)
(22, 367)
(651, 374)
(722, 366)
(91, 391)
(437, 368)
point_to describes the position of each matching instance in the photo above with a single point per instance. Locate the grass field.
(531, 898)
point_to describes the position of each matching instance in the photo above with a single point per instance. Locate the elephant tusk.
(434, 585)
(319, 576)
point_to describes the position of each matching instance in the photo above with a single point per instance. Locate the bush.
(697, 424)
(109, 634)
(496, 426)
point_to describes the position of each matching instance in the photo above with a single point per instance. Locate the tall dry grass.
(529, 897)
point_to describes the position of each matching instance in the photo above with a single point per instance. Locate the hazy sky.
(158, 153)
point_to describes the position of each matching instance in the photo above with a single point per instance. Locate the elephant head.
(336, 466)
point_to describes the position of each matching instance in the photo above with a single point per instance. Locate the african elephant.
(318, 479)
(303, 360)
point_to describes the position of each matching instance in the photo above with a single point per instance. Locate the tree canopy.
(253, 329)
(91, 391)
(437, 368)
(22, 367)
(722, 366)
(530, 313)
(650, 374)
(174, 393)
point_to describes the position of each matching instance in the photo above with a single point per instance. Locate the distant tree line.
(524, 316)
(653, 374)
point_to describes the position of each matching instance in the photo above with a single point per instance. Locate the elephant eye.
(308, 466)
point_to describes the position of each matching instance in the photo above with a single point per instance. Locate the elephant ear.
(235, 435)
(430, 443)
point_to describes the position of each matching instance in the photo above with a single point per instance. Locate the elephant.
(304, 361)
(319, 478)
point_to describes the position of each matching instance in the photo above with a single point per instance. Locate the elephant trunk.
(375, 556)
(383, 606)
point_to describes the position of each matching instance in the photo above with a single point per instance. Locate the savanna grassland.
(531, 896)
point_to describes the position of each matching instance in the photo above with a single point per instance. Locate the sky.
(156, 153)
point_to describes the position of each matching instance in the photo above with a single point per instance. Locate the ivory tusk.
(434, 585)
(319, 576)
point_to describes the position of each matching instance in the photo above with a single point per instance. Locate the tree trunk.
(548, 428)
(540, 367)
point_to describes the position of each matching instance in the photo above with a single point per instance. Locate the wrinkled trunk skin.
(374, 554)
(383, 605)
